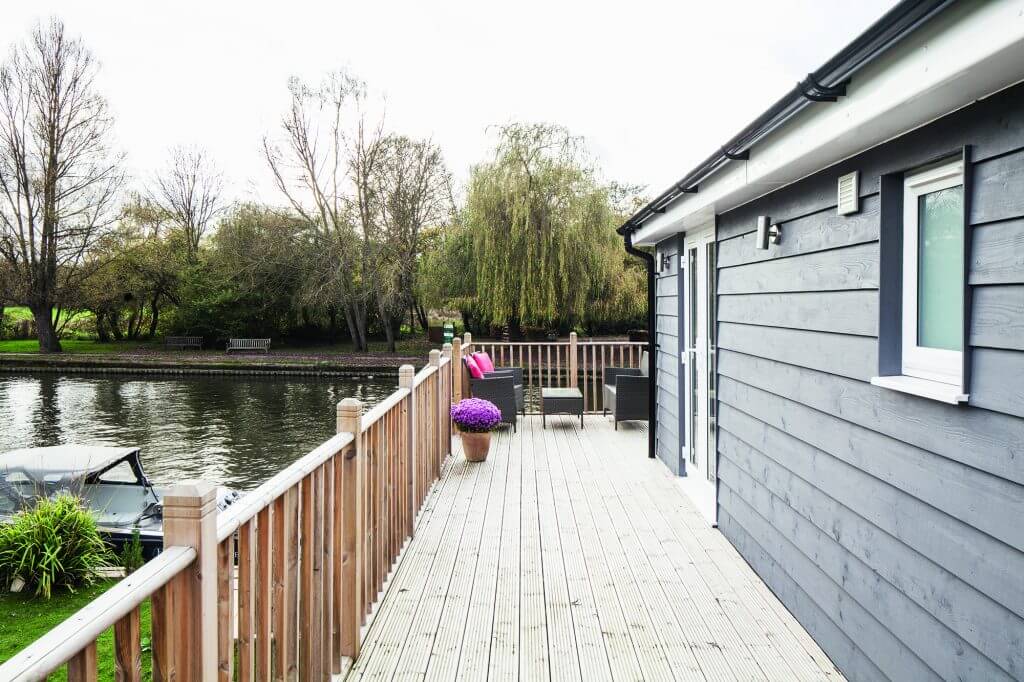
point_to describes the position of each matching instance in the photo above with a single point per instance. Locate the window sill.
(933, 390)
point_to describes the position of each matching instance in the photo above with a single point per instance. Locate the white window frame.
(932, 364)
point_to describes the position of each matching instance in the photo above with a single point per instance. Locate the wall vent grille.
(848, 199)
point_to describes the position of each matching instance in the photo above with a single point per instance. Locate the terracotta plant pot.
(476, 445)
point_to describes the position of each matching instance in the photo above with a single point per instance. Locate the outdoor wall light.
(767, 232)
(665, 264)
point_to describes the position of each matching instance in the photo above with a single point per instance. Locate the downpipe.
(652, 384)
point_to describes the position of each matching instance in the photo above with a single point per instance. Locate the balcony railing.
(555, 364)
(288, 575)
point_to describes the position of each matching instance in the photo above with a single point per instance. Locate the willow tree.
(542, 229)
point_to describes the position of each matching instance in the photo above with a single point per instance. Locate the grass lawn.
(23, 619)
(71, 346)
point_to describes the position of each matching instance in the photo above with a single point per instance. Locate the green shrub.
(53, 545)
(131, 554)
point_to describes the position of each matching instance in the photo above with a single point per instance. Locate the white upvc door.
(698, 363)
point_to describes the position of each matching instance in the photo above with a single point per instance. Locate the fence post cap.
(190, 493)
(572, 336)
(467, 338)
(406, 373)
(435, 357)
(446, 350)
(350, 405)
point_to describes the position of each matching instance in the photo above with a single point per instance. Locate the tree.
(414, 192)
(542, 229)
(189, 192)
(135, 269)
(325, 165)
(58, 176)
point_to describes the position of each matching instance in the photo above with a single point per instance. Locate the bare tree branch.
(190, 191)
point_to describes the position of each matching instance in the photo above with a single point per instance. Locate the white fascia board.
(968, 52)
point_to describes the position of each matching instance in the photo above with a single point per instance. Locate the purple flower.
(476, 415)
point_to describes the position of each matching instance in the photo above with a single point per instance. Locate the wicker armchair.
(500, 389)
(626, 392)
(504, 387)
(517, 382)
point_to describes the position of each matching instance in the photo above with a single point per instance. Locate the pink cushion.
(484, 360)
(474, 369)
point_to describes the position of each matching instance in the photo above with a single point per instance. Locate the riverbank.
(149, 359)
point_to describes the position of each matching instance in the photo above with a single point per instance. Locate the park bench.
(249, 345)
(182, 342)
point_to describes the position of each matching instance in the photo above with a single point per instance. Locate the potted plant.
(475, 419)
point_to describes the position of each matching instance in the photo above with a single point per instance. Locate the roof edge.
(825, 84)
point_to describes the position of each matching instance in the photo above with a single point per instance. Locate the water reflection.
(236, 430)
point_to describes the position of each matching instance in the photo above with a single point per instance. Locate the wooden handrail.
(82, 629)
(257, 499)
(422, 375)
(381, 408)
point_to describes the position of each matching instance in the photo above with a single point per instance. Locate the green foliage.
(131, 554)
(537, 242)
(250, 279)
(53, 545)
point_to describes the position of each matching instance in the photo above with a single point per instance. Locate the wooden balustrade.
(563, 364)
(74, 641)
(284, 579)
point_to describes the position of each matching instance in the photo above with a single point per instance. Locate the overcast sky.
(653, 87)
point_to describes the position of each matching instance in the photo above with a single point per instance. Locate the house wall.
(892, 526)
(669, 404)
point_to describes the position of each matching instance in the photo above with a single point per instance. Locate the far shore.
(151, 360)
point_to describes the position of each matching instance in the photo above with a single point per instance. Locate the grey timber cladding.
(670, 397)
(892, 526)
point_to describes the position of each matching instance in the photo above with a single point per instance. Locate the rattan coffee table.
(560, 401)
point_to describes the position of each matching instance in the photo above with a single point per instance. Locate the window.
(921, 333)
(933, 274)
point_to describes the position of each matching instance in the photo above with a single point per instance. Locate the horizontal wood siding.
(892, 526)
(669, 397)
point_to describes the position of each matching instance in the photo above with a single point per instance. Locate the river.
(234, 430)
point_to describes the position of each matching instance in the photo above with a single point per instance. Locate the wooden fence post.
(573, 361)
(467, 347)
(350, 418)
(446, 398)
(406, 379)
(435, 417)
(457, 369)
(190, 520)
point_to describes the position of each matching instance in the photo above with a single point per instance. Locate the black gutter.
(652, 373)
(825, 84)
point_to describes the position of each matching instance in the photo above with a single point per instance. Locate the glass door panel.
(700, 359)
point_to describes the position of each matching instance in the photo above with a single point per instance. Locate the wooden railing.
(558, 364)
(283, 580)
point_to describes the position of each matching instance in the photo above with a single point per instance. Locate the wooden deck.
(569, 555)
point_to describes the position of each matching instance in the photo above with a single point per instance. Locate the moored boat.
(110, 480)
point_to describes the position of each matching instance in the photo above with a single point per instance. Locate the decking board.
(569, 555)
